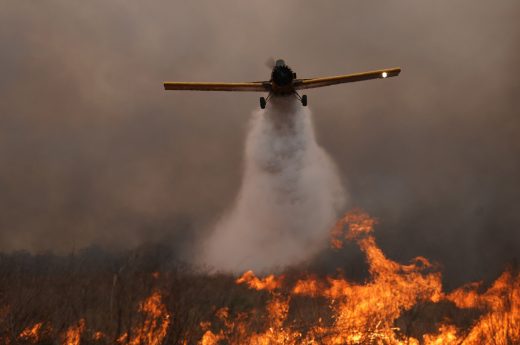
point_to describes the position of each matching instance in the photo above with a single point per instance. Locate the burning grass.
(135, 301)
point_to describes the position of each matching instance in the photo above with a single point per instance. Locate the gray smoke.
(289, 198)
(93, 151)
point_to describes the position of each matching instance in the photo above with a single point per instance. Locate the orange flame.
(269, 283)
(367, 313)
(358, 222)
(155, 325)
(361, 313)
(73, 334)
(31, 334)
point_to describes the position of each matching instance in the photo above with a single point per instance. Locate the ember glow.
(380, 310)
(31, 334)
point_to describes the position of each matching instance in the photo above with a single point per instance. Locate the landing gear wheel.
(262, 102)
(304, 100)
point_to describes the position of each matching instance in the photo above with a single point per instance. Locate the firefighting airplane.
(283, 82)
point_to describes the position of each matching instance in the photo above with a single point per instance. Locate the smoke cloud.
(290, 196)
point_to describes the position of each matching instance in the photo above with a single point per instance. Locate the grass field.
(145, 296)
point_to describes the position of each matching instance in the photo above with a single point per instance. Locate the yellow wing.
(349, 78)
(253, 86)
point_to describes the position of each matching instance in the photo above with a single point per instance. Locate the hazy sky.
(92, 150)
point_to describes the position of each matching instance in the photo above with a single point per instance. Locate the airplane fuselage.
(282, 78)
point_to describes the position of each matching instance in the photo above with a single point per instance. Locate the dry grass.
(105, 290)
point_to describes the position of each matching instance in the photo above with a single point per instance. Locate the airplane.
(283, 82)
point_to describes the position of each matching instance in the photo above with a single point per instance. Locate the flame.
(310, 287)
(358, 223)
(269, 283)
(73, 334)
(447, 335)
(98, 336)
(209, 338)
(501, 324)
(155, 326)
(367, 313)
(31, 334)
(360, 313)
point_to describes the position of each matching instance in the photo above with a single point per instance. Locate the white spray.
(289, 198)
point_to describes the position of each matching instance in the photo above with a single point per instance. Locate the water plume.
(290, 195)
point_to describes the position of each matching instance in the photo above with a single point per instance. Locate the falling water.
(290, 195)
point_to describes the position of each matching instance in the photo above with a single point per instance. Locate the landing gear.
(263, 102)
(302, 99)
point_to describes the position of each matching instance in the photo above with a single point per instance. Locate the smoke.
(93, 151)
(289, 198)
